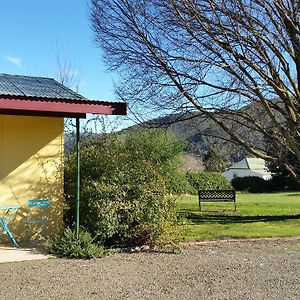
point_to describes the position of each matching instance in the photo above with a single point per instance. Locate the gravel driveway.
(263, 269)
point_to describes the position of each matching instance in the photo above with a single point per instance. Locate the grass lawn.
(257, 215)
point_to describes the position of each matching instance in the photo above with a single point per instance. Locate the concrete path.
(24, 252)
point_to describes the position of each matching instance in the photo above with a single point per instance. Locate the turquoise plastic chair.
(38, 213)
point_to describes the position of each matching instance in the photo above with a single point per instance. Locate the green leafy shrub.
(122, 191)
(162, 149)
(208, 181)
(66, 244)
(178, 184)
(252, 184)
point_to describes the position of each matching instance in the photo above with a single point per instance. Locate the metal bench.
(217, 196)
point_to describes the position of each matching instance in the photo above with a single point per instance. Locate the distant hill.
(201, 134)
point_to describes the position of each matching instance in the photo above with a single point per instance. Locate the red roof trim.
(62, 106)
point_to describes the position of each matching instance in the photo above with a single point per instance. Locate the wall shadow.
(31, 166)
(49, 187)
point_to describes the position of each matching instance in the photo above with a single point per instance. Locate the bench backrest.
(217, 195)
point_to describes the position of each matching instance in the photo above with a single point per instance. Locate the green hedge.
(252, 184)
(208, 181)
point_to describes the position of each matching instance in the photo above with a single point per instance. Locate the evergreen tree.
(213, 162)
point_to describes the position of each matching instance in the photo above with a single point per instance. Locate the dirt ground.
(262, 269)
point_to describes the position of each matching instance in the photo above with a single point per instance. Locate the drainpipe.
(78, 175)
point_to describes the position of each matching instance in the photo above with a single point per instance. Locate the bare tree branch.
(217, 57)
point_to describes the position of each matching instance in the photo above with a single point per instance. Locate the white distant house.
(248, 167)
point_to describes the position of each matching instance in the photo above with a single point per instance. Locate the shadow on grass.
(228, 219)
(294, 195)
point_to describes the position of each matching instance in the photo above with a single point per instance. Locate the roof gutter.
(59, 107)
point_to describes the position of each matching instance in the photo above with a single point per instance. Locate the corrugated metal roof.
(256, 163)
(28, 86)
(240, 165)
(250, 163)
(40, 96)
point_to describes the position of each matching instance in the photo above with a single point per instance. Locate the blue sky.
(34, 32)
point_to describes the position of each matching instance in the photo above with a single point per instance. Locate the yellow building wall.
(31, 166)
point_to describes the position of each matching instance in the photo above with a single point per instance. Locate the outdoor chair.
(38, 213)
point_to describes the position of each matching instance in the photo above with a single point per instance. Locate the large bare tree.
(237, 62)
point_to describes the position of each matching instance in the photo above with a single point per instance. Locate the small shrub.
(66, 244)
(252, 184)
(208, 181)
